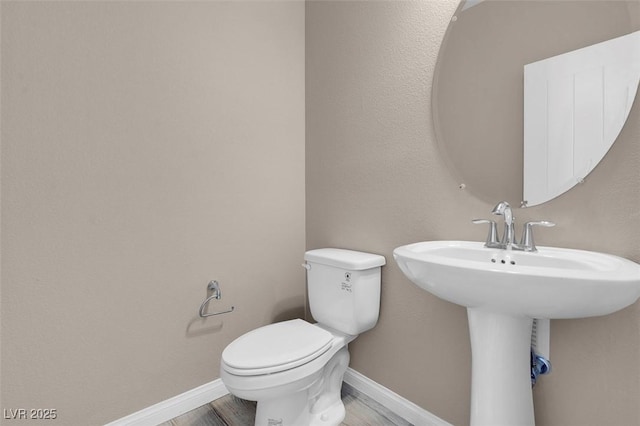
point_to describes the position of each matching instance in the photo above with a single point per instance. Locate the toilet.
(294, 369)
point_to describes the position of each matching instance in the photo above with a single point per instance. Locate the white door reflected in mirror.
(575, 105)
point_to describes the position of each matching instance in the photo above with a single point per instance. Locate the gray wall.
(147, 148)
(376, 180)
(150, 147)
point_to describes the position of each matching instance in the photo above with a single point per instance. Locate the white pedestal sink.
(503, 291)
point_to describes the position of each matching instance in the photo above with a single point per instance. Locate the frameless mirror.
(479, 85)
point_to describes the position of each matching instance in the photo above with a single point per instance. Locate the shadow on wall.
(286, 309)
(202, 326)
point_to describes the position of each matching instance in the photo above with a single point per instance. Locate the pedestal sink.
(503, 290)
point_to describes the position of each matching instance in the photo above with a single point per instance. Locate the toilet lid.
(276, 347)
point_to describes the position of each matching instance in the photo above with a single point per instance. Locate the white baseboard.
(194, 398)
(173, 407)
(392, 401)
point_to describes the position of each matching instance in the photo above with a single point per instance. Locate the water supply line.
(539, 366)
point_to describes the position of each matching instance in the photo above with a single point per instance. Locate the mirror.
(478, 88)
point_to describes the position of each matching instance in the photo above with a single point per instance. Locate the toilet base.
(291, 409)
(332, 416)
(294, 410)
(317, 405)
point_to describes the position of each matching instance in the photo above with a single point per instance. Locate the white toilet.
(294, 369)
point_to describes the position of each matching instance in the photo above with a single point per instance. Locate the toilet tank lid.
(346, 259)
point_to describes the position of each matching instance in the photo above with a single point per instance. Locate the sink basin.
(503, 291)
(550, 283)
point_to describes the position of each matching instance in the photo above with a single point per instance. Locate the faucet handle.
(527, 243)
(492, 236)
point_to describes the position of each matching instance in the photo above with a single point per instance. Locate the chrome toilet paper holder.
(213, 287)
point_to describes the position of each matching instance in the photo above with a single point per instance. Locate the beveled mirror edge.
(470, 186)
(437, 129)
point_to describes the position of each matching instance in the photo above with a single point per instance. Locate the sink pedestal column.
(501, 369)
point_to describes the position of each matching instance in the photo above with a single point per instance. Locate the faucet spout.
(504, 209)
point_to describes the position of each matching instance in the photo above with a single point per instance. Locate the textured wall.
(375, 180)
(147, 147)
(150, 147)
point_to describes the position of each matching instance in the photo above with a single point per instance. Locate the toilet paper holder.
(214, 287)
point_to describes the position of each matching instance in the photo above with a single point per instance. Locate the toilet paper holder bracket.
(214, 288)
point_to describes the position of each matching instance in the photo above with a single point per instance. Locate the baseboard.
(173, 407)
(197, 397)
(395, 403)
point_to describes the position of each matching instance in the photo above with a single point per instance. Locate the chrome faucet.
(508, 237)
(527, 243)
(508, 241)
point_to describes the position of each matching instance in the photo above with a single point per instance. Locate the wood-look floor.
(232, 411)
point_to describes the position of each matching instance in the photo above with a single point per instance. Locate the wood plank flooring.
(232, 411)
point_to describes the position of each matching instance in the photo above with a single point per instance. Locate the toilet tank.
(344, 288)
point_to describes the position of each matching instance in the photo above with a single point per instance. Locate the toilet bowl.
(295, 372)
(294, 369)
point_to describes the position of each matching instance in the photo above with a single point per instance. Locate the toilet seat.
(276, 347)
